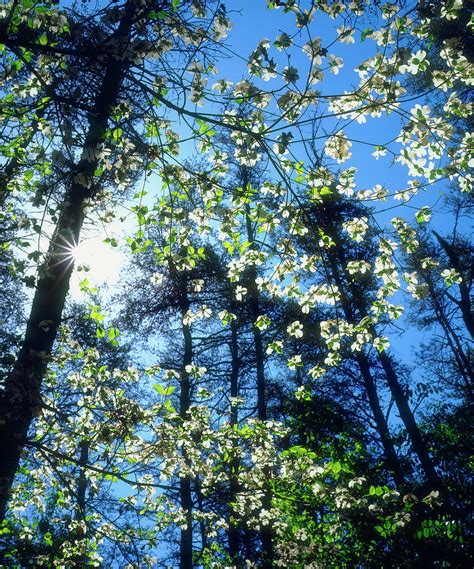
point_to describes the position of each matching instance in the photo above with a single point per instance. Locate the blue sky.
(252, 22)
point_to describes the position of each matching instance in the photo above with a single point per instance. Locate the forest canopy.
(236, 283)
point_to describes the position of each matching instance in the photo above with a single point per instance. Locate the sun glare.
(96, 261)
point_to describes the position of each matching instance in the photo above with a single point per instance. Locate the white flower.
(337, 147)
(226, 317)
(415, 64)
(357, 228)
(294, 362)
(346, 35)
(157, 278)
(451, 276)
(295, 329)
(262, 322)
(240, 292)
(290, 74)
(381, 343)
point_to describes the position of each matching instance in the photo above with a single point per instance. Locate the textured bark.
(354, 301)
(465, 304)
(254, 308)
(21, 398)
(185, 492)
(254, 305)
(233, 533)
(391, 457)
(349, 290)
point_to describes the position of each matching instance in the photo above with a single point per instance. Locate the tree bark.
(391, 457)
(465, 304)
(185, 492)
(21, 397)
(254, 306)
(399, 395)
(352, 297)
(266, 534)
(233, 534)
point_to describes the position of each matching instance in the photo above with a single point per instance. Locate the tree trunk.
(352, 297)
(465, 304)
(463, 361)
(398, 393)
(21, 398)
(81, 558)
(391, 457)
(254, 305)
(233, 533)
(406, 415)
(185, 492)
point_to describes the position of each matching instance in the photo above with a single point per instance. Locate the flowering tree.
(306, 271)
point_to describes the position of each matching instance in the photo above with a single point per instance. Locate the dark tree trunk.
(465, 304)
(398, 393)
(82, 482)
(233, 533)
(185, 492)
(81, 558)
(463, 360)
(21, 398)
(254, 309)
(201, 505)
(391, 457)
(353, 300)
(406, 415)
(254, 306)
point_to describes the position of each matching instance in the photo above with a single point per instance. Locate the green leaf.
(112, 333)
(166, 391)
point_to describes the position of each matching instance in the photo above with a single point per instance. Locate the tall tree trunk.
(254, 306)
(465, 304)
(201, 506)
(347, 291)
(185, 492)
(406, 415)
(21, 397)
(463, 361)
(81, 558)
(82, 481)
(391, 457)
(233, 533)
(352, 297)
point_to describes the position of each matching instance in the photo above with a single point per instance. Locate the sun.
(97, 261)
